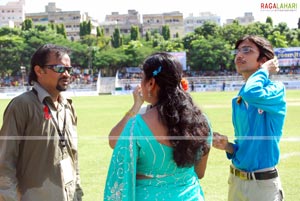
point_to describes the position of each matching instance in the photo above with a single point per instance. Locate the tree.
(254, 29)
(111, 59)
(269, 21)
(232, 32)
(282, 28)
(208, 29)
(210, 54)
(116, 38)
(52, 26)
(60, 29)
(85, 28)
(188, 39)
(148, 36)
(100, 32)
(170, 46)
(134, 33)
(41, 27)
(258, 28)
(9, 31)
(277, 39)
(81, 29)
(292, 38)
(89, 28)
(207, 48)
(79, 56)
(27, 24)
(157, 39)
(11, 49)
(166, 32)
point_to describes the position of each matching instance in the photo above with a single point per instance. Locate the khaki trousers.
(254, 190)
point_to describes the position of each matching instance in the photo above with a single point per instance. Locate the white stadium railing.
(111, 85)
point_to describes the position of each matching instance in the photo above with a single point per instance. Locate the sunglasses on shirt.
(244, 50)
(59, 68)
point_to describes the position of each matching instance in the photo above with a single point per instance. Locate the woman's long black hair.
(188, 128)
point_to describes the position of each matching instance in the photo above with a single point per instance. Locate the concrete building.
(70, 19)
(121, 21)
(12, 14)
(151, 22)
(192, 22)
(248, 18)
(155, 22)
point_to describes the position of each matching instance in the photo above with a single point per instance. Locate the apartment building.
(151, 22)
(248, 18)
(12, 14)
(70, 19)
(121, 21)
(155, 22)
(192, 22)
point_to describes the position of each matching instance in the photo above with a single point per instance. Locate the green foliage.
(232, 32)
(60, 29)
(85, 28)
(166, 32)
(116, 39)
(41, 27)
(89, 40)
(100, 32)
(11, 51)
(207, 48)
(170, 46)
(148, 36)
(134, 33)
(208, 29)
(52, 26)
(89, 27)
(282, 28)
(269, 21)
(277, 39)
(27, 24)
(136, 52)
(9, 31)
(206, 54)
(157, 39)
(111, 59)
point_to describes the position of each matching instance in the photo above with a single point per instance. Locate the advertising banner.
(288, 57)
(182, 58)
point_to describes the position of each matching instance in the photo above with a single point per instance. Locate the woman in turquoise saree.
(162, 154)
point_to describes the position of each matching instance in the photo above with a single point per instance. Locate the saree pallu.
(121, 177)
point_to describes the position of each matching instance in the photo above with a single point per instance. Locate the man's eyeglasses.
(59, 68)
(244, 50)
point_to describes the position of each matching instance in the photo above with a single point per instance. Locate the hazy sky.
(225, 9)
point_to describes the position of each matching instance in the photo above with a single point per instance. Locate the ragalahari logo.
(287, 6)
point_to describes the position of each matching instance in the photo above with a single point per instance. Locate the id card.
(67, 170)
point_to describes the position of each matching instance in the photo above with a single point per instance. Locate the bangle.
(130, 113)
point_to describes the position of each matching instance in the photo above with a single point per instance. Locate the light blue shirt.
(258, 121)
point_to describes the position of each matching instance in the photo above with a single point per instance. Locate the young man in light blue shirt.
(258, 115)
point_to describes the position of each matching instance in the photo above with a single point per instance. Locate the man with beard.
(38, 138)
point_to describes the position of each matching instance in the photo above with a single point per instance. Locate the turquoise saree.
(137, 152)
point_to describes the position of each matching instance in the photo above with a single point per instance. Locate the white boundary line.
(288, 155)
(95, 137)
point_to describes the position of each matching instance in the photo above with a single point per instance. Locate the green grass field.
(97, 115)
